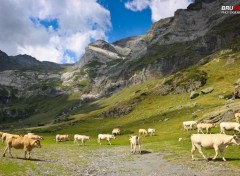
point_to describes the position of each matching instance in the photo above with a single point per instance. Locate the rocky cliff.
(170, 45)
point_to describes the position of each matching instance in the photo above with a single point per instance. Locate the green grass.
(164, 113)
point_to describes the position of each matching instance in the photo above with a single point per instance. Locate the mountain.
(25, 62)
(170, 45)
(172, 51)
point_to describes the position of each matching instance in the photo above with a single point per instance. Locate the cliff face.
(170, 45)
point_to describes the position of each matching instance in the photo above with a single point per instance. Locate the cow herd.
(31, 140)
(216, 141)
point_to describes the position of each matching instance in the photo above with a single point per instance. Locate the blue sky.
(125, 22)
(59, 31)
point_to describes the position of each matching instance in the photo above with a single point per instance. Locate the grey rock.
(194, 94)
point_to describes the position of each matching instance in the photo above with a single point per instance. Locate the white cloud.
(159, 8)
(80, 22)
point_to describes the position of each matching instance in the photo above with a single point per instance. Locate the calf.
(134, 142)
(24, 143)
(217, 141)
(61, 138)
(116, 131)
(82, 138)
(188, 125)
(229, 126)
(207, 126)
(108, 137)
(142, 132)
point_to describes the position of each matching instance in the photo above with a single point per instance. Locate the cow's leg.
(200, 151)
(10, 151)
(109, 142)
(192, 151)
(29, 155)
(134, 148)
(216, 152)
(139, 147)
(201, 130)
(25, 154)
(7, 148)
(222, 130)
(206, 130)
(222, 154)
(131, 148)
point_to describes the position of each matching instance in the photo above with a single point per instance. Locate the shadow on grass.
(31, 159)
(143, 152)
(221, 160)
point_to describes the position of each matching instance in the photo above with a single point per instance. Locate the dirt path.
(111, 160)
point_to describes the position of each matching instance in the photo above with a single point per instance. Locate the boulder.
(237, 92)
(194, 94)
(207, 90)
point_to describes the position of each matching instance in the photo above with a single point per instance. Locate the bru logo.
(234, 8)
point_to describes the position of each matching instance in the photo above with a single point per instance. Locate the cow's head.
(36, 143)
(235, 140)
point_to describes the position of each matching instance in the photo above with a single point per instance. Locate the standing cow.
(216, 141)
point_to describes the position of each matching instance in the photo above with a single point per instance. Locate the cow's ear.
(33, 142)
(235, 136)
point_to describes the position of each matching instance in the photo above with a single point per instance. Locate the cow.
(34, 136)
(7, 135)
(237, 116)
(108, 137)
(229, 126)
(116, 131)
(134, 142)
(216, 141)
(189, 125)
(82, 138)
(151, 131)
(24, 143)
(142, 132)
(207, 126)
(62, 137)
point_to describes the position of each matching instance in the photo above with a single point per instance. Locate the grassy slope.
(165, 113)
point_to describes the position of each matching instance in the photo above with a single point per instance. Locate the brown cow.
(24, 143)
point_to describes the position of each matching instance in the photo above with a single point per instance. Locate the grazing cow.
(207, 126)
(229, 126)
(108, 137)
(82, 138)
(7, 135)
(61, 138)
(237, 116)
(116, 131)
(142, 132)
(24, 143)
(188, 125)
(135, 141)
(217, 141)
(33, 136)
(151, 131)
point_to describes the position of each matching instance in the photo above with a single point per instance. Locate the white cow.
(151, 131)
(142, 132)
(108, 137)
(116, 131)
(188, 125)
(229, 126)
(217, 141)
(207, 126)
(135, 141)
(82, 138)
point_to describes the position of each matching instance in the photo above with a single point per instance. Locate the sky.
(59, 30)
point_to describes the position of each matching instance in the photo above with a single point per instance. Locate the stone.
(207, 90)
(194, 94)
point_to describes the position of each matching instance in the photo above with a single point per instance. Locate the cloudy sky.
(59, 30)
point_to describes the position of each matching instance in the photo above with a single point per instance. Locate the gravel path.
(117, 161)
